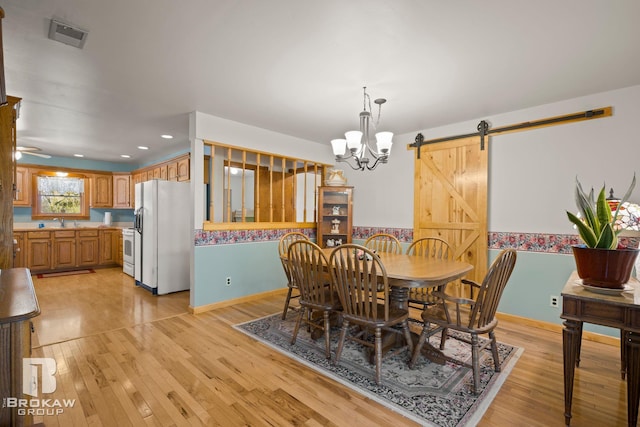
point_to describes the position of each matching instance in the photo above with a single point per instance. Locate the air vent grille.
(67, 34)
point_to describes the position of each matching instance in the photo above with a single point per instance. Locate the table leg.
(632, 355)
(399, 298)
(623, 353)
(570, 348)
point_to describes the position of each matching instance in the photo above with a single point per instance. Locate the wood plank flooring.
(130, 359)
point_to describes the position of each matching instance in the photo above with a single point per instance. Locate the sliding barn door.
(450, 200)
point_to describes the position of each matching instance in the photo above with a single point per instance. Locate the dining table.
(410, 271)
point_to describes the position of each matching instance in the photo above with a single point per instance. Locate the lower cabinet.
(64, 249)
(67, 249)
(108, 251)
(88, 248)
(38, 250)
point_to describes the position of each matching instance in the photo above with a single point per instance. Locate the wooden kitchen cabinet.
(101, 191)
(19, 250)
(172, 171)
(183, 169)
(120, 251)
(38, 245)
(64, 249)
(23, 187)
(108, 251)
(122, 191)
(335, 216)
(87, 248)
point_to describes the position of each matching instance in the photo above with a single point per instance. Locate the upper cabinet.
(105, 189)
(176, 169)
(23, 187)
(102, 191)
(122, 191)
(183, 169)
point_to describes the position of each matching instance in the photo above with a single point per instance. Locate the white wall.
(531, 173)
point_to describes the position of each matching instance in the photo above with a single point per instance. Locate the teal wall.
(536, 277)
(253, 268)
(76, 163)
(96, 215)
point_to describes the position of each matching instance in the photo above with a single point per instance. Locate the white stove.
(128, 247)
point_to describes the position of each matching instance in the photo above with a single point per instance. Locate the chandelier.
(356, 145)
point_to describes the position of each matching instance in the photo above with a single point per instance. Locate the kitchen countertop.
(47, 227)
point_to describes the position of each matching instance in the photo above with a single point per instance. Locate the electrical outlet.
(228, 281)
(555, 301)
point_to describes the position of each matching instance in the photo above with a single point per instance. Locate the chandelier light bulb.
(384, 142)
(354, 140)
(339, 146)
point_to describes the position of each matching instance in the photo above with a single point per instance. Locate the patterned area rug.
(430, 394)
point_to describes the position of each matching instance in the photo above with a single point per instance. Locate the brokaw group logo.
(34, 369)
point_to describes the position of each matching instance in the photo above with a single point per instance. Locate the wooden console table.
(18, 304)
(617, 311)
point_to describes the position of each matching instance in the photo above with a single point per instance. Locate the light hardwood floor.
(129, 358)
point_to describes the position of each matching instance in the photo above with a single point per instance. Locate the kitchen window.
(60, 195)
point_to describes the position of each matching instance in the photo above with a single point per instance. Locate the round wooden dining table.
(408, 271)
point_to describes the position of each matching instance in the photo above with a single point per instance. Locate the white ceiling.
(297, 67)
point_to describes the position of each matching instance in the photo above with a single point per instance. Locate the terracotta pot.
(605, 268)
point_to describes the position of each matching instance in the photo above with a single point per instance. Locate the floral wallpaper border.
(527, 242)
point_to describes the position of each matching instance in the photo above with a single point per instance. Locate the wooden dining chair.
(469, 316)
(428, 247)
(283, 250)
(383, 242)
(308, 268)
(356, 271)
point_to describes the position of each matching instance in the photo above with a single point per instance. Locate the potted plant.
(601, 261)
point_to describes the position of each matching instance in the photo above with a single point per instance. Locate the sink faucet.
(61, 221)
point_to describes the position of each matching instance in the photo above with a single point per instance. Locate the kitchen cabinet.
(108, 241)
(183, 169)
(172, 171)
(23, 187)
(101, 191)
(120, 251)
(18, 250)
(156, 172)
(335, 216)
(122, 191)
(64, 249)
(87, 248)
(68, 249)
(38, 244)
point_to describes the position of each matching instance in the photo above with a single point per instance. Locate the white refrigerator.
(163, 236)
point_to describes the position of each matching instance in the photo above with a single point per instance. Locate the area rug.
(430, 394)
(63, 273)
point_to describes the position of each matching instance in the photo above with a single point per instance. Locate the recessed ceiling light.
(125, 156)
(166, 136)
(78, 155)
(142, 147)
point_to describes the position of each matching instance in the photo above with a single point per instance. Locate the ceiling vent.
(67, 34)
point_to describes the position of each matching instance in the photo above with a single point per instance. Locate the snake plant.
(595, 222)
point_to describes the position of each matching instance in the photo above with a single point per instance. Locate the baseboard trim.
(208, 307)
(553, 327)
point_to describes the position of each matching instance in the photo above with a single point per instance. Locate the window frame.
(36, 212)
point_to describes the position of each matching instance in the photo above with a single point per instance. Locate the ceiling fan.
(31, 151)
